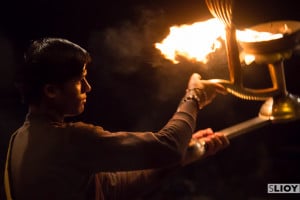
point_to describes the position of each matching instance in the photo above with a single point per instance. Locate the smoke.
(138, 79)
(128, 48)
(129, 70)
(129, 44)
(126, 52)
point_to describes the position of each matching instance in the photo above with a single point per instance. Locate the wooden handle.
(245, 127)
(196, 150)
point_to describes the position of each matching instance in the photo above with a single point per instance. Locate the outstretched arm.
(133, 184)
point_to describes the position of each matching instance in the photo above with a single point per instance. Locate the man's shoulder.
(83, 127)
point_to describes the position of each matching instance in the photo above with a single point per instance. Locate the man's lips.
(83, 99)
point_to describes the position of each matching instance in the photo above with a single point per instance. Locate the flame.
(193, 41)
(196, 41)
(249, 35)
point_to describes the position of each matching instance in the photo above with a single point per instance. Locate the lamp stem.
(234, 65)
(278, 77)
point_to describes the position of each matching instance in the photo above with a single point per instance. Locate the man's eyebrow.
(84, 70)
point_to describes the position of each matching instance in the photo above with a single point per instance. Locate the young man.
(49, 158)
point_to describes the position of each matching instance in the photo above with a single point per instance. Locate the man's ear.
(51, 90)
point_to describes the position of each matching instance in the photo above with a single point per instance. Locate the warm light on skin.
(64, 100)
(74, 94)
(196, 41)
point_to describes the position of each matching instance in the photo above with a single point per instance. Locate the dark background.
(135, 89)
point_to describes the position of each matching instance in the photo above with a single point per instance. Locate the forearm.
(125, 151)
(190, 109)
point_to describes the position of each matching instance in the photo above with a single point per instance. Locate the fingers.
(225, 141)
(221, 89)
(196, 76)
(204, 90)
(196, 82)
(214, 143)
(203, 133)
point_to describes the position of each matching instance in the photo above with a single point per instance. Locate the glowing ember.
(198, 40)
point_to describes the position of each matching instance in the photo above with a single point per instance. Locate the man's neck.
(43, 110)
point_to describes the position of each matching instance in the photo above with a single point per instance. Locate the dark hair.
(49, 60)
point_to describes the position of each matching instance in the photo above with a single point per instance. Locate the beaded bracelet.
(198, 95)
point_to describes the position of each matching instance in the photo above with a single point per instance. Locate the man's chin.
(74, 114)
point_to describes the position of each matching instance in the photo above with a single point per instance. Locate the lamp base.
(281, 109)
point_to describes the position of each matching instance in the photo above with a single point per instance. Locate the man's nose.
(86, 86)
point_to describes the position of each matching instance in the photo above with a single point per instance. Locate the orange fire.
(196, 41)
(193, 41)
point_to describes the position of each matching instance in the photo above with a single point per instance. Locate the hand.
(204, 143)
(213, 142)
(205, 89)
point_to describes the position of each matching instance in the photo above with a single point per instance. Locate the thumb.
(196, 76)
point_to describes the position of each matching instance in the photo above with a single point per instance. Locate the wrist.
(189, 106)
(197, 95)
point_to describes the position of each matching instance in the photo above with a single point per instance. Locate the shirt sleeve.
(91, 147)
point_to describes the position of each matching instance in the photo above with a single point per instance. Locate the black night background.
(135, 89)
